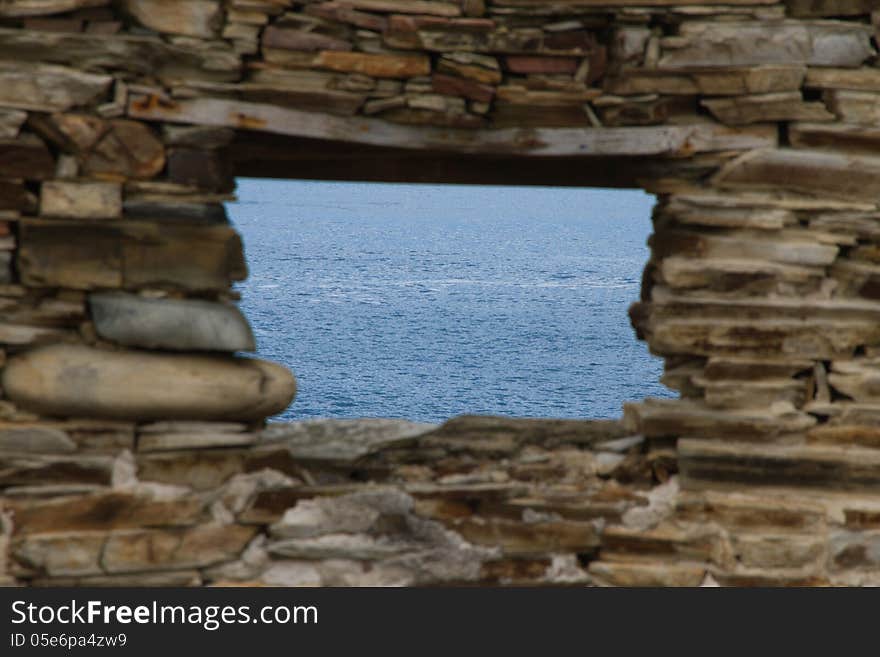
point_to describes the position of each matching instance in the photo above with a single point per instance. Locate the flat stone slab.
(342, 440)
(176, 324)
(79, 381)
(76, 200)
(35, 438)
(157, 442)
(192, 427)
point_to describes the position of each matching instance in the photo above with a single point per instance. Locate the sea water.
(429, 301)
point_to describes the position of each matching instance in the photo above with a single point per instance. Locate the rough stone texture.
(130, 254)
(196, 18)
(80, 200)
(342, 440)
(122, 128)
(36, 438)
(175, 324)
(47, 88)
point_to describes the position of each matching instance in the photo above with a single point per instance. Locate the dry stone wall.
(133, 442)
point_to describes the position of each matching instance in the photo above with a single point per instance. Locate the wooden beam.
(265, 155)
(665, 141)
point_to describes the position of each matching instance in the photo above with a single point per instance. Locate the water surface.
(428, 301)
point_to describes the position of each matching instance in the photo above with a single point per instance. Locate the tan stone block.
(72, 553)
(515, 537)
(854, 79)
(785, 106)
(19, 8)
(132, 254)
(859, 107)
(429, 7)
(197, 18)
(653, 573)
(202, 546)
(840, 175)
(74, 200)
(710, 82)
(102, 511)
(156, 442)
(48, 88)
(749, 43)
(658, 417)
(854, 139)
(375, 65)
(18, 469)
(720, 464)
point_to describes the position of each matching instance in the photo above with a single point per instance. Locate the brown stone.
(858, 379)
(93, 200)
(343, 13)
(855, 139)
(202, 546)
(18, 8)
(11, 121)
(129, 149)
(520, 95)
(517, 538)
(203, 169)
(647, 574)
(854, 79)
(453, 86)
(26, 157)
(429, 7)
(205, 60)
(33, 469)
(131, 255)
(859, 107)
(197, 18)
(380, 66)
(48, 88)
(472, 66)
(785, 106)
(76, 553)
(552, 65)
(483, 434)
(16, 196)
(102, 511)
(822, 8)
(277, 37)
(54, 24)
(837, 174)
(201, 470)
(656, 417)
(707, 81)
(156, 442)
(721, 44)
(173, 578)
(845, 434)
(718, 464)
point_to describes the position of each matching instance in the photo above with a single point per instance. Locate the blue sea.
(429, 301)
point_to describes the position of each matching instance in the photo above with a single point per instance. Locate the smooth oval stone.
(178, 324)
(79, 381)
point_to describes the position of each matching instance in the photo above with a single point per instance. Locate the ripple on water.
(430, 301)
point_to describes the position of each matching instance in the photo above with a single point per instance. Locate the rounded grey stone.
(174, 324)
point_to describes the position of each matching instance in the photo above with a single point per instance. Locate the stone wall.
(133, 443)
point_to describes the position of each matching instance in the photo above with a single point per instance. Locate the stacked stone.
(119, 325)
(132, 439)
